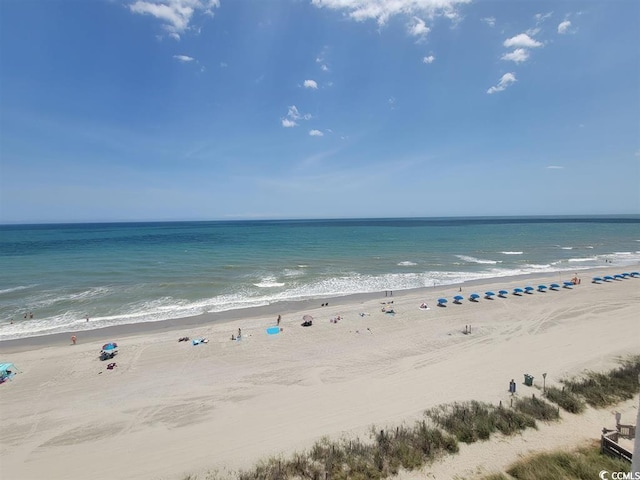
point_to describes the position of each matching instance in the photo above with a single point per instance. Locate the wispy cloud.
(316, 133)
(519, 55)
(428, 59)
(223, 65)
(382, 10)
(506, 80)
(554, 167)
(563, 27)
(417, 28)
(184, 58)
(491, 21)
(175, 14)
(521, 40)
(310, 84)
(292, 117)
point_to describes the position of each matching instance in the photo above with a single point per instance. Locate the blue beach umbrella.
(626, 274)
(597, 279)
(618, 276)
(608, 278)
(458, 299)
(441, 302)
(567, 284)
(489, 294)
(517, 291)
(529, 289)
(542, 288)
(635, 274)
(503, 293)
(554, 286)
(474, 296)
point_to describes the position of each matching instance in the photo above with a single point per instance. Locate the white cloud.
(491, 21)
(554, 167)
(417, 27)
(324, 68)
(428, 59)
(506, 80)
(382, 10)
(223, 65)
(563, 27)
(293, 114)
(310, 84)
(175, 14)
(316, 133)
(541, 17)
(184, 58)
(519, 55)
(522, 40)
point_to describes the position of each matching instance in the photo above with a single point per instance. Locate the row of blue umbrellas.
(618, 276)
(503, 293)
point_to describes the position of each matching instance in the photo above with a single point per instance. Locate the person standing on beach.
(73, 339)
(278, 321)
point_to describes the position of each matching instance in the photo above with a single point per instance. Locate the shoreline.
(169, 409)
(287, 307)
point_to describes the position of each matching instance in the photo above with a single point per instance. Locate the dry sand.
(170, 408)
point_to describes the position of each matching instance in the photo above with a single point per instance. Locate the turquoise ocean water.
(142, 272)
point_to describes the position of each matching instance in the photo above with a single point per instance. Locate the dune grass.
(537, 408)
(473, 421)
(584, 463)
(565, 400)
(604, 389)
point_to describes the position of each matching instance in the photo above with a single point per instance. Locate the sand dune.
(170, 408)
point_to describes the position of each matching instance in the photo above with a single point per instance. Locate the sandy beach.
(172, 408)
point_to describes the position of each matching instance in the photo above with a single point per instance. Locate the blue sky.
(242, 109)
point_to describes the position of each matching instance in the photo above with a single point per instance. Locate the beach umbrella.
(442, 301)
(474, 297)
(554, 286)
(489, 294)
(618, 276)
(458, 299)
(608, 278)
(529, 289)
(542, 288)
(517, 291)
(597, 279)
(110, 347)
(567, 284)
(635, 274)
(626, 274)
(503, 293)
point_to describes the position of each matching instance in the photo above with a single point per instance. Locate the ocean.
(120, 273)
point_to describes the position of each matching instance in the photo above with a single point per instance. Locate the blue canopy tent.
(442, 302)
(7, 371)
(474, 297)
(488, 295)
(554, 286)
(109, 350)
(542, 288)
(503, 293)
(458, 299)
(517, 291)
(529, 289)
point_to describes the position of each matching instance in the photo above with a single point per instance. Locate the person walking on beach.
(278, 321)
(73, 339)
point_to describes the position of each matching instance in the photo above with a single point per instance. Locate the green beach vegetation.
(583, 463)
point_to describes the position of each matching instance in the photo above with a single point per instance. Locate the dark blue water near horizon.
(139, 272)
